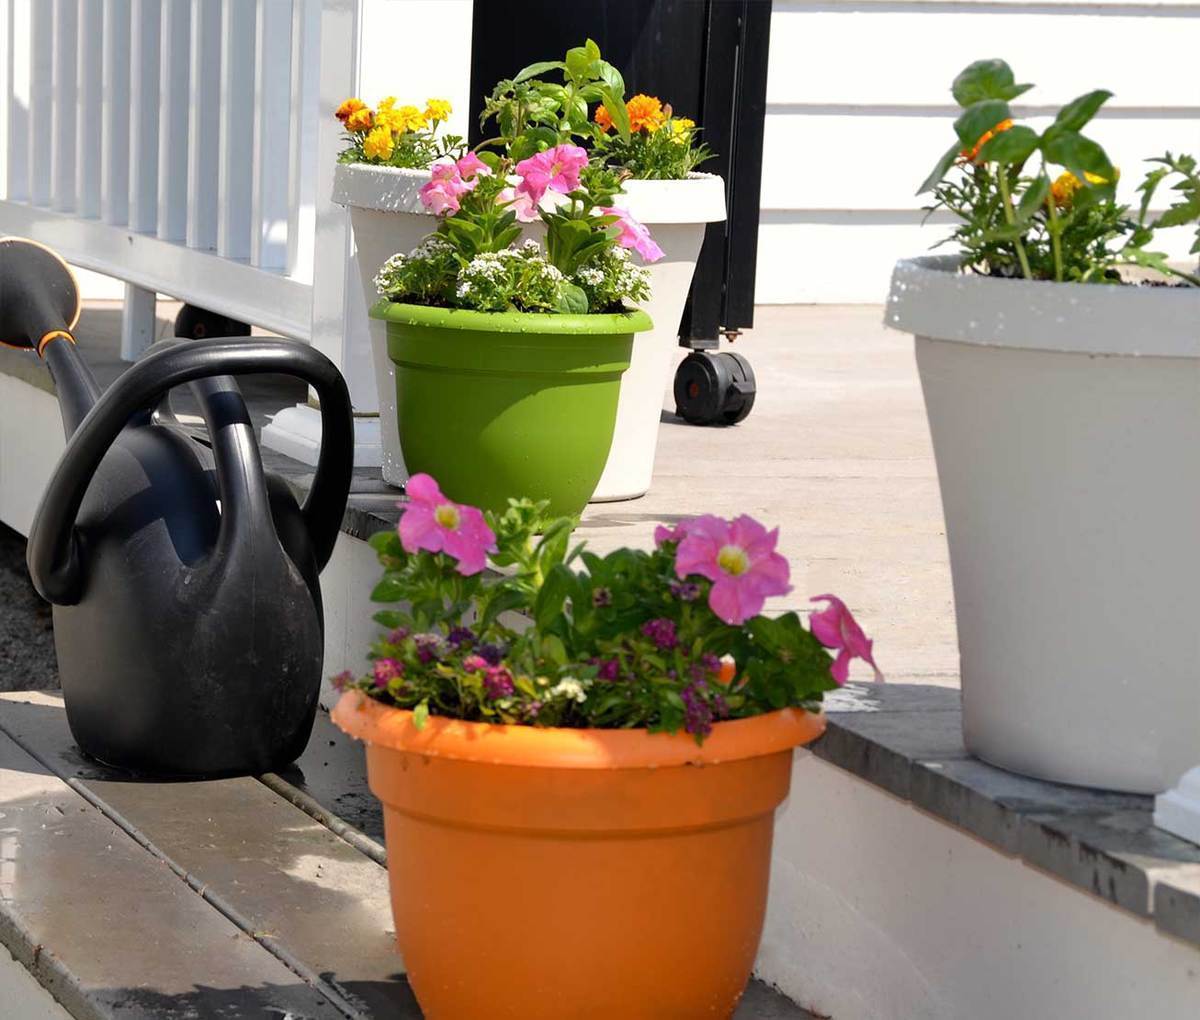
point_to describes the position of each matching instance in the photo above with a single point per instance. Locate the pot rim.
(603, 323)
(371, 721)
(931, 299)
(697, 198)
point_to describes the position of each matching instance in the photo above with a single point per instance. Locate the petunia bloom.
(470, 165)
(556, 169)
(633, 234)
(523, 204)
(663, 534)
(436, 524)
(387, 670)
(440, 196)
(739, 557)
(836, 628)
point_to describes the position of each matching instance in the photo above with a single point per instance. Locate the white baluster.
(143, 129)
(41, 76)
(114, 142)
(173, 120)
(90, 112)
(6, 82)
(235, 161)
(302, 158)
(204, 124)
(272, 100)
(63, 105)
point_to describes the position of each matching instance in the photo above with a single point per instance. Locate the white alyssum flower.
(569, 689)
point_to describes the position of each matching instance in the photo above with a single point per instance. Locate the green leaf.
(1178, 215)
(552, 596)
(986, 79)
(614, 103)
(389, 589)
(421, 714)
(1078, 112)
(939, 171)
(1011, 147)
(579, 61)
(572, 300)
(389, 618)
(1033, 199)
(386, 542)
(1148, 187)
(541, 67)
(612, 78)
(978, 119)
(1078, 154)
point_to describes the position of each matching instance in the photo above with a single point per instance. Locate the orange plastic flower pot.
(541, 874)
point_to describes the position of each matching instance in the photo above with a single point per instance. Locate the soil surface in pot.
(27, 659)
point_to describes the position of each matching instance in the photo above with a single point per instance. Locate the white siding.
(859, 109)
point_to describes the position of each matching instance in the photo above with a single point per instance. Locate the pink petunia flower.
(522, 203)
(440, 196)
(556, 169)
(739, 557)
(470, 165)
(437, 524)
(633, 235)
(663, 534)
(387, 670)
(836, 628)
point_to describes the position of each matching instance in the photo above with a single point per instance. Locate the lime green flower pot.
(508, 404)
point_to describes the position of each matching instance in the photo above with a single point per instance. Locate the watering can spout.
(39, 306)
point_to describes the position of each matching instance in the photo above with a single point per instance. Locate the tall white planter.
(387, 217)
(1066, 424)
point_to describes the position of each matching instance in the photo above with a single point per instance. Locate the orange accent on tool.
(54, 334)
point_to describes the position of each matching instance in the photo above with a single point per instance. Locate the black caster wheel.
(199, 324)
(714, 388)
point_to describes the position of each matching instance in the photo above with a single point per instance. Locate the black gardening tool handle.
(53, 555)
(38, 296)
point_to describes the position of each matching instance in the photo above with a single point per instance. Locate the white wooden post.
(235, 162)
(173, 133)
(204, 125)
(145, 38)
(138, 322)
(89, 120)
(63, 105)
(114, 143)
(41, 62)
(272, 101)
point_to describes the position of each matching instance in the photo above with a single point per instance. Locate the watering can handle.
(53, 554)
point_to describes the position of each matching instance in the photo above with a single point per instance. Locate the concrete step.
(138, 899)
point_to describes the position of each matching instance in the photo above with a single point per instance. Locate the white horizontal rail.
(169, 143)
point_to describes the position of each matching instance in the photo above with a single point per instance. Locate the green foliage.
(1020, 221)
(668, 153)
(611, 641)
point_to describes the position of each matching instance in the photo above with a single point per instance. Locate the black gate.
(708, 59)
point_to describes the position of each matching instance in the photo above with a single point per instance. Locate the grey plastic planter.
(1066, 424)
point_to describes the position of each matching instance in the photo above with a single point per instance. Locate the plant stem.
(1010, 217)
(1055, 239)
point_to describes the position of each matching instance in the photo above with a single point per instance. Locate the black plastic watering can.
(187, 607)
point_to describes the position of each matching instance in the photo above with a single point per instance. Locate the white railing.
(171, 144)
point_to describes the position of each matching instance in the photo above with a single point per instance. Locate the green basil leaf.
(1078, 112)
(571, 299)
(1078, 154)
(939, 171)
(978, 119)
(1011, 147)
(541, 67)
(1033, 199)
(986, 79)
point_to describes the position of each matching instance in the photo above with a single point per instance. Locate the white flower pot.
(1065, 422)
(387, 217)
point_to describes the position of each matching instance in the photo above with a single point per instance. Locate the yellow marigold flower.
(986, 137)
(360, 120)
(681, 128)
(438, 109)
(645, 112)
(350, 106)
(406, 118)
(378, 144)
(1067, 184)
(386, 103)
(603, 118)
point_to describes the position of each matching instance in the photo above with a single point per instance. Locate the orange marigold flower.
(986, 137)
(603, 117)
(360, 120)
(350, 106)
(645, 112)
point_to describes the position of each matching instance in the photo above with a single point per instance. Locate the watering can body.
(184, 578)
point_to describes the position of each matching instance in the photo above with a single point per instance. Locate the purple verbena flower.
(661, 631)
(342, 680)
(697, 715)
(492, 653)
(396, 636)
(460, 636)
(429, 646)
(609, 669)
(498, 682)
(685, 591)
(387, 670)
